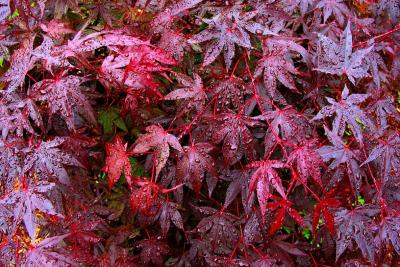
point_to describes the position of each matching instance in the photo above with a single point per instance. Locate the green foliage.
(137, 169)
(307, 233)
(110, 119)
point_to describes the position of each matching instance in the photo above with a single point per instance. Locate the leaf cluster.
(199, 133)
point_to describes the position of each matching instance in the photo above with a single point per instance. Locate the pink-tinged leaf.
(276, 10)
(339, 153)
(288, 124)
(117, 162)
(264, 177)
(230, 93)
(347, 111)
(182, 5)
(276, 68)
(10, 163)
(390, 7)
(20, 65)
(307, 161)
(253, 230)
(292, 6)
(163, 21)
(5, 42)
(353, 225)
(46, 52)
(93, 41)
(46, 159)
(15, 117)
(5, 10)
(277, 65)
(23, 204)
(46, 253)
(158, 140)
(377, 67)
(7, 250)
(227, 29)
(64, 95)
(232, 130)
(193, 94)
(133, 67)
(56, 29)
(387, 155)
(339, 58)
(384, 107)
(193, 163)
(174, 43)
(334, 7)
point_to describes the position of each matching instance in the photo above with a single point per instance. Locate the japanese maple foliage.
(199, 133)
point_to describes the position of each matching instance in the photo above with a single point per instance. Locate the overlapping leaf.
(194, 162)
(46, 253)
(339, 58)
(353, 225)
(218, 228)
(263, 178)
(23, 204)
(117, 162)
(307, 161)
(225, 30)
(347, 112)
(193, 94)
(233, 131)
(46, 159)
(387, 154)
(339, 153)
(65, 97)
(160, 141)
(277, 65)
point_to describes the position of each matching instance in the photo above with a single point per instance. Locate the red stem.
(381, 36)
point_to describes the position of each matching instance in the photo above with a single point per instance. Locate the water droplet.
(233, 147)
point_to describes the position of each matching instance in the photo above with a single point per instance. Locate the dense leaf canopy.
(199, 133)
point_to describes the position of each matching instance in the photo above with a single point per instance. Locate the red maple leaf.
(158, 140)
(46, 159)
(117, 162)
(283, 206)
(339, 59)
(264, 177)
(25, 201)
(322, 207)
(307, 161)
(232, 129)
(194, 162)
(64, 95)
